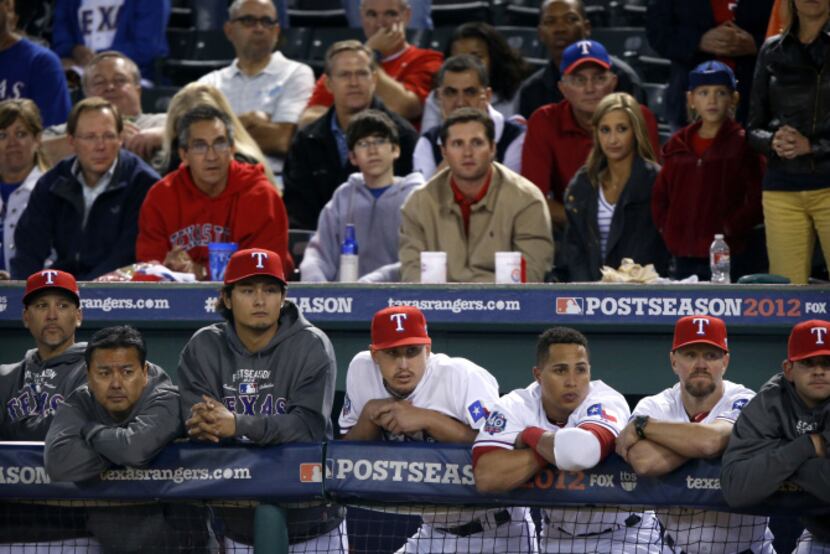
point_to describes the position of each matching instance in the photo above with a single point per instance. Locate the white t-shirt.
(717, 532)
(522, 408)
(98, 21)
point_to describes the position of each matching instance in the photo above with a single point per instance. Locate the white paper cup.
(509, 267)
(433, 267)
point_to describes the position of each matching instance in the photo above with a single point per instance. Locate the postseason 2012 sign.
(577, 304)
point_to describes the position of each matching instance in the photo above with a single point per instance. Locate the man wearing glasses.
(266, 90)
(399, 390)
(463, 82)
(319, 158)
(83, 214)
(559, 136)
(210, 198)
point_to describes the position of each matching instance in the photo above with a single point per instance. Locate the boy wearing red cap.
(693, 419)
(265, 376)
(784, 432)
(399, 390)
(32, 389)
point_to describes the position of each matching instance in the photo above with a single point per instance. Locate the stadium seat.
(295, 42)
(324, 37)
(439, 38)
(652, 68)
(624, 42)
(297, 241)
(209, 15)
(157, 99)
(317, 13)
(655, 93)
(523, 16)
(180, 43)
(526, 41)
(181, 17)
(209, 50)
(456, 13)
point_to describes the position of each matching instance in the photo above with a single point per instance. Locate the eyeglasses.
(251, 21)
(581, 81)
(200, 148)
(367, 143)
(469, 93)
(102, 84)
(106, 138)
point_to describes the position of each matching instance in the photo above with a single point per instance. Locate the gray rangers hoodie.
(283, 393)
(84, 439)
(770, 444)
(31, 390)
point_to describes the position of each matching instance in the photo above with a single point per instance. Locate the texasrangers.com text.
(108, 304)
(460, 305)
(178, 475)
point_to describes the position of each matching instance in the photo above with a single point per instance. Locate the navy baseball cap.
(712, 73)
(581, 52)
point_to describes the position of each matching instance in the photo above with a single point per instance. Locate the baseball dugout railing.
(195, 498)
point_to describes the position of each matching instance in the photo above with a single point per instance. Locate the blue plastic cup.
(219, 255)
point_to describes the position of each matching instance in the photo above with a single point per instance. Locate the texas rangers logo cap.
(399, 326)
(252, 262)
(582, 52)
(700, 329)
(808, 339)
(51, 279)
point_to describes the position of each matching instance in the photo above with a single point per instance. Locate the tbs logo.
(628, 480)
(569, 305)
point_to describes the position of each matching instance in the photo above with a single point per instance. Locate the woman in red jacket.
(710, 181)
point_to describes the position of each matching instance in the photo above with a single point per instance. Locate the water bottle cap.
(718, 236)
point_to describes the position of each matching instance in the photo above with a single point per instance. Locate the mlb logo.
(311, 473)
(569, 305)
(247, 388)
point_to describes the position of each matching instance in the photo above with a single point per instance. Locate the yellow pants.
(792, 220)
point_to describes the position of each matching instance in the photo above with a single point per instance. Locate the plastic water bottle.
(719, 260)
(348, 256)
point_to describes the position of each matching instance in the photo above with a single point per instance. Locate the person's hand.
(401, 418)
(374, 408)
(253, 119)
(144, 143)
(627, 438)
(740, 42)
(388, 40)
(4, 275)
(716, 40)
(819, 445)
(789, 143)
(178, 259)
(210, 421)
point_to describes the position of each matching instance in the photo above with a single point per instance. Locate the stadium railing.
(385, 487)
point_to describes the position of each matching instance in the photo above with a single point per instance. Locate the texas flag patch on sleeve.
(477, 411)
(597, 411)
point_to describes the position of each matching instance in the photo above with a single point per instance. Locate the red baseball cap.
(703, 329)
(252, 262)
(51, 279)
(399, 326)
(807, 339)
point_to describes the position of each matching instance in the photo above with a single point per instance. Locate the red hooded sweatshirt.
(249, 212)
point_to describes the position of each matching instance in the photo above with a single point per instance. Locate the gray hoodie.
(377, 223)
(85, 440)
(280, 394)
(770, 444)
(31, 390)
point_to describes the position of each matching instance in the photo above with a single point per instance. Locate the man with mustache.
(693, 419)
(783, 434)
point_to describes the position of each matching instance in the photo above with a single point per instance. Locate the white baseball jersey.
(696, 530)
(455, 387)
(522, 408)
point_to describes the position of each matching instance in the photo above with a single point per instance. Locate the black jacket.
(770, 445)
(674, 28)
(791, 89)
(542, 87)
(632, 234)
(313, 170)
(54, 216)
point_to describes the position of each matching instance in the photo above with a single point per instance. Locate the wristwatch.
(640, 423)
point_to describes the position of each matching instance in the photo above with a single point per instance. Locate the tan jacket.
(512, 216)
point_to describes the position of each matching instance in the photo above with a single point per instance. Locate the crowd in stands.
(734, 143)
